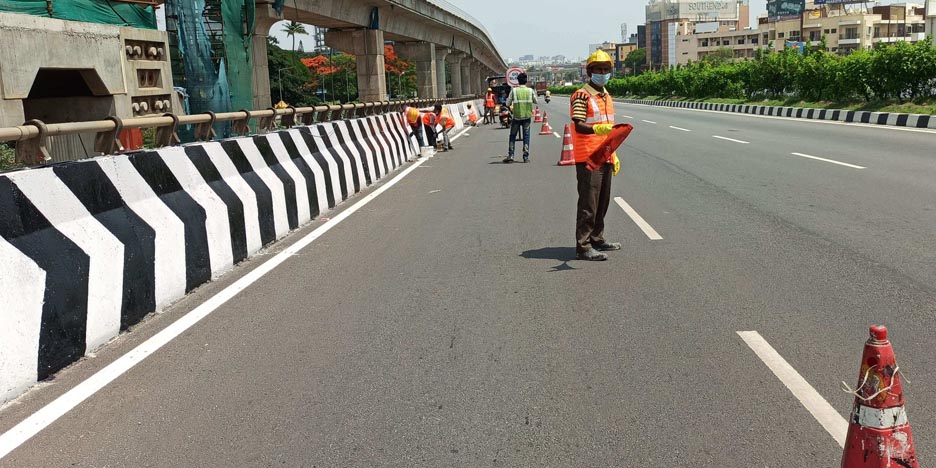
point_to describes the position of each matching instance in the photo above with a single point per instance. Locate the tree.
(292, 29)
(635, 59)
(289, 77)
(720, 56)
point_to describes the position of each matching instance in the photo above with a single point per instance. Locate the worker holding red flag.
(592, 112)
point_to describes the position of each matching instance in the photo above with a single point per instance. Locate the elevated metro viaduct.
(431, 33)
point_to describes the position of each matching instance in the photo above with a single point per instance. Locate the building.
(623, 50)
(848, 29)
(526, 58)
(669, 19)
(642, 36)
(931, 19)
(694, 47)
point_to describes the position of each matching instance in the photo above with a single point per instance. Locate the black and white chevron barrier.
(877, 118)
(91, 247)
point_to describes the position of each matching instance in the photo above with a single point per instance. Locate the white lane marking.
(48, 414)
(828, 161)
(627, 117)
(638, 220)
(828, 417)
(649, 121)
(795, 119)
(680, 129)
(557, 135)
(731, 139)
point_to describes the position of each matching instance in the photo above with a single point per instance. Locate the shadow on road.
(562, 254)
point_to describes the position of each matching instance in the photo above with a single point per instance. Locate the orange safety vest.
(472, 117)
(446, 119)
(429, 119)
(489, 100)
(600, 110)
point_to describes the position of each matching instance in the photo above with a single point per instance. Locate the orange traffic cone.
(546, 129)
(537, 117)
(878, 431)
(568, 156)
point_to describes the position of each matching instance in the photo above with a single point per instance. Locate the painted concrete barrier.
(876, 118)
(89, 248)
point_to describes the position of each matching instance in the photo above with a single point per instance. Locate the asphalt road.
(446, 323)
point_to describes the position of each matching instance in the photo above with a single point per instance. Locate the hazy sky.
(542, 27)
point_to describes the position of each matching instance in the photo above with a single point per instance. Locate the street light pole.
(279, 74)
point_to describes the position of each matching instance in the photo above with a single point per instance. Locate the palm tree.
(292, 29)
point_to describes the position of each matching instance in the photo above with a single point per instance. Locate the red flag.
(602, 155)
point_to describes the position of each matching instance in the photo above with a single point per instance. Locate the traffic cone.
(568, 156)
(537, 117)
(546, 129)
(878, 431)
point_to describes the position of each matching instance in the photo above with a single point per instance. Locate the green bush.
(899, 72)
(564, 90)
(7, 158)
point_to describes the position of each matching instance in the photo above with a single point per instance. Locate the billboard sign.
(833, 2)
(778, 10)
(696, 10)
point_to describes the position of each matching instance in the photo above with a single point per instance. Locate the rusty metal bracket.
(267, 123)
(205, 131)
(108, 141)
(309, 118)
(242, 126)
(168, 136)
(337, 114)
(34, 151)
(289, 120)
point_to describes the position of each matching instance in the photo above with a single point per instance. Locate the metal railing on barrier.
(32, 138)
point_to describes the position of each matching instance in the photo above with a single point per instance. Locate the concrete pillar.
(368, 46)
(476, 78)
(265, 18)
(466, 76)
(441, 53)
(423, 54)
(454, 62)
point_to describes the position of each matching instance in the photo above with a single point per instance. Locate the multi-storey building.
(669, 19)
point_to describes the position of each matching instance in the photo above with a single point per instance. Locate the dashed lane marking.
(638, 220)
(732, 140)
(680, 129)
(828, 161)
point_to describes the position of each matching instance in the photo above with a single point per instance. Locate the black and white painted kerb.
(874, 118)
(89, 248)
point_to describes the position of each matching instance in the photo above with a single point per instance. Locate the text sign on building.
(831, 2)
(778, 10)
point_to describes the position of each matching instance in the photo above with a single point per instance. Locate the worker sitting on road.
(472, 116)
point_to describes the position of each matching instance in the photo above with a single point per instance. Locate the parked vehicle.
(541, 87)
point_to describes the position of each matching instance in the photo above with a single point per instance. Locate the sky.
(541, 28)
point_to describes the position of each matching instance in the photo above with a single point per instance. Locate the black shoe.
(608, 246)
(526, 159)
(592, 255)
(508, 160)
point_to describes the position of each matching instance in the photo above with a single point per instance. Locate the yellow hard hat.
(489, 89)
(599, 56)
(412, 115)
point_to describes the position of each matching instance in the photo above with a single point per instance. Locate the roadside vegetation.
(889, 78)
(7, 158)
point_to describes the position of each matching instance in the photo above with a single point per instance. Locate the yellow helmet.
(412, 115)
(489, 89)
(599, 56)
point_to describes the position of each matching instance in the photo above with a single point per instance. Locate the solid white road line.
(731, 139)
(557, 135)
(627, 117)
(828, 161)
(680, 129)
(649, 121)
(638, 220)
(48, 414)
(828, 417)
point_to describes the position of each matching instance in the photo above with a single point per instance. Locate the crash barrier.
(89, 248)
(874, 118)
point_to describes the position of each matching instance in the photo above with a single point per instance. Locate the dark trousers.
(521, 127)
(417, 130)
(594, 197)
(430, 135)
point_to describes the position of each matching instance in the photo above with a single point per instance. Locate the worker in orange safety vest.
(592, 112)
(489, 107)
(430, 120)
(447, 123)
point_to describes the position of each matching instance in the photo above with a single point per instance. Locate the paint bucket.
(426, 151)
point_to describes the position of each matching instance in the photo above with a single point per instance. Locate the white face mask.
(601, 80)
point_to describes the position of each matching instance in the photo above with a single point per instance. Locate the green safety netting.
(91, 11)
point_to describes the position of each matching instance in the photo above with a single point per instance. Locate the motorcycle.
(505, 116)
(547, 99)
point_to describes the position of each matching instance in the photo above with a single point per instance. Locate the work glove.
(602, 129)
(617, 165)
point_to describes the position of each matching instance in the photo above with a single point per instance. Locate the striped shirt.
(580, 102)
